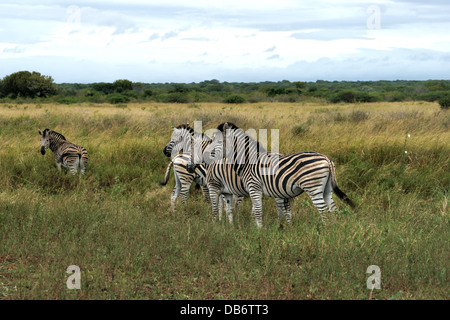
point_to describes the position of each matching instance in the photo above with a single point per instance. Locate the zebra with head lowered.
(181, 141)
(282, 177)
(66, 154)
(221, 179)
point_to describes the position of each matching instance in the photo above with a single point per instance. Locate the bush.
(444, 101)
(67, 101)
(395, 96)
(235, 98)
(344, 96)
(350, 96)
(366, 97)
(148, 93)
(122, 85)
(176, 97)
(432, 96)
(115, 98)
(27, 84)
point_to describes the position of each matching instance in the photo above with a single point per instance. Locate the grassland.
(115, 223)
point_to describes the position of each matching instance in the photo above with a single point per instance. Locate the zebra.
(221, 181)
(66, 153)
(184, 179)
(282, 177)
(181, 141)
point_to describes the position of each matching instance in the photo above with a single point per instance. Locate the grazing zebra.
(221, 181)
(282, 177)
(66, 153)
(184, 179)
(181, 141)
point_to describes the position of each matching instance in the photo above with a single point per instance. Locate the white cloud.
(233, 40)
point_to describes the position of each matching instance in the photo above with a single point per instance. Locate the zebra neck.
(55, 143)
(205, 144)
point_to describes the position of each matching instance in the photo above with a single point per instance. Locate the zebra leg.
(284, 210)
(82, 167)
(214, 197)
(229, 206)
(58, 165)
(184, 190)
(220, 205)
(205, 191)
(174, 196)
(319, 203)
(256, 197)
(73, 170)
(238, 202)
(328, 197)
(175, 192)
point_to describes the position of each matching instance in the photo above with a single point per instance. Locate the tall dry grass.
(116, 224)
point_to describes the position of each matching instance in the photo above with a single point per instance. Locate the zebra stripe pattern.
(282, 177)
(221, 180)
(184, 179)
(66, 153)
(181, 141)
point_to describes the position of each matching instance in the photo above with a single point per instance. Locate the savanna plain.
(115, 222)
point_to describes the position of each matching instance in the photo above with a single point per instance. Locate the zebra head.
(198, 142)
(235, 145)
(180, 140)
(219, 139)
(45, 140)
(50, 139)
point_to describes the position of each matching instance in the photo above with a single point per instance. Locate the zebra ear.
(40, 132)
(225, 126)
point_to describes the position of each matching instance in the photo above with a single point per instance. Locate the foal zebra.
(66, 153)
(181, 141)
(282, 177)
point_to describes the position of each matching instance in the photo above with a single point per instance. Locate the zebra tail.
(343, 196)
(167, 175)
(336, 189)
(79, 162)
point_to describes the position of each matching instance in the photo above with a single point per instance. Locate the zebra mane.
(244, 136)
(186, 126)
(231, 125)
(54, 133)
(205, 137)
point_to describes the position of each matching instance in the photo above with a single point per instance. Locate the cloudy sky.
(234, 40)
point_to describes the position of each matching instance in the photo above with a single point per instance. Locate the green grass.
(115, 223)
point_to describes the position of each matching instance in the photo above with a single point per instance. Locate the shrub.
(235, 98)
(344, 96)
(27, 84)
(148, 93)
(115, 98)
(432, 96)
(444, 101)
(122, 85)
(67, 101)
(350, 96)
(366, 97)
(176, 97)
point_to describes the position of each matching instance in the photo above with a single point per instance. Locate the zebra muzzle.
(166, 152)
(43, 150)
(191, 167)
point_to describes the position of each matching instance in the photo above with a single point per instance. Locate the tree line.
(25, 85)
